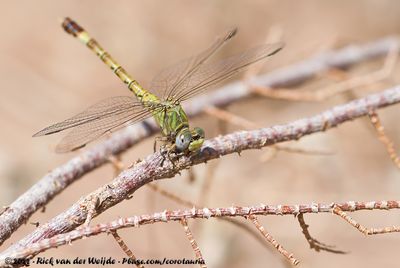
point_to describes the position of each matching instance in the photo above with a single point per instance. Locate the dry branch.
(273, 241)
(125, 248)
(314, 243)
(201, 213)
(233, 119)
(187, 203)
(335, 88)
(150, 169)
(193, 243)
(58, 179)
(367, 231)
(376, 122)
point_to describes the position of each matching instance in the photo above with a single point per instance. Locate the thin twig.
(193, 243)
(248, 229)
(367, 231)
(57, 180)
(125, 248)
(335, 88)
(230, 117)
(35, 248)
(272, 240)
(90, 205)
(314, 243)
(304, 151)
(373, 116)
(188, 203)
(170, 195)
(336, 74)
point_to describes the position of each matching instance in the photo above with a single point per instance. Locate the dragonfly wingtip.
(38, 134)
(280, 46)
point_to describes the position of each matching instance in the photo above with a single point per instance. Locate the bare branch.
(373, 116)
(272, 240)
(57, 180)
(367, 231)
(193, 243)
(314, 243)
(247, 124)
(336, 88)
(125, 248)
(33, 249)
(150, 169)
(188, 203)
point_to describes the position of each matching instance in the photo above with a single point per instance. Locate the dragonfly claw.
(168, 152)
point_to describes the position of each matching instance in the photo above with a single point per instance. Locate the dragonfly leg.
(168, 152)
(159, 138)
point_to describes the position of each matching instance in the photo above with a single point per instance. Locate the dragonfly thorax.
(174, 124)
(171, 119)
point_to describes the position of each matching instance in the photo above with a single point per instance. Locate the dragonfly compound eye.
(182, 141)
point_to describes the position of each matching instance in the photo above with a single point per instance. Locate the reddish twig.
(193, 243)
(373, 116)
(272, 240)
(367, 231)
(125, 248)
(314, 243)
(33, 249)
(188, 203)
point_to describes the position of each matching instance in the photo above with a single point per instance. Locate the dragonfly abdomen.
(77, 31)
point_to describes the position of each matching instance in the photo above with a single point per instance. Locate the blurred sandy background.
(47, 76)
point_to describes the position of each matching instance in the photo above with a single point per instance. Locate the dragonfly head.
(189, 140)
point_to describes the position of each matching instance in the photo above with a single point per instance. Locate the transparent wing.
(169, 80)
(210, 74)
(105, 116)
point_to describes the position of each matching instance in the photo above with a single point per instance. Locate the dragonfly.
(168, 90)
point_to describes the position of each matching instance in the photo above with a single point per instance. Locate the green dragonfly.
(172, 86)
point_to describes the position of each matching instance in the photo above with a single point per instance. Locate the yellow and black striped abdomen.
(77, 31)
